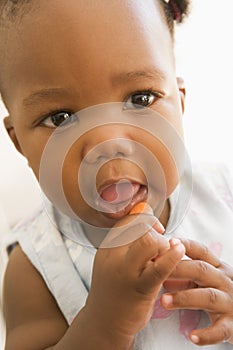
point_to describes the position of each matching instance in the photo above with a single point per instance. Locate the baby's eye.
(141, 100)
(57, 119)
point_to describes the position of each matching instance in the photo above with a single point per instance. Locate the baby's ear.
(182, 90)
(11, 132)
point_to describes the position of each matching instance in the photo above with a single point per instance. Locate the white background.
(204, 58)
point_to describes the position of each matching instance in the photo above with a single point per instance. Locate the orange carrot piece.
(141, 207)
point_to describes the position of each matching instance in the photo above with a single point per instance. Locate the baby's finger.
(156, 272)
(198, 251)
(145, 249)
(208, 299)
(158, 226)
(128, 230)
(174, 285)
(145, 209)
(140, 220)
(201, 273)
(220, 332)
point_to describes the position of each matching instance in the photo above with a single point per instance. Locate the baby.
(91, 88)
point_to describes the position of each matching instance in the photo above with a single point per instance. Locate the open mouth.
(118, 198)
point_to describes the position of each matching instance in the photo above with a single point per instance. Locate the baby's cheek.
(172, 175)
(169, 169)
(73, 195)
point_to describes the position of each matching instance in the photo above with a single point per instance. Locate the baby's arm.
(126, 282)
(33, 319)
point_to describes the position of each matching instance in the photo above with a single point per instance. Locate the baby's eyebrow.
(148, 73)
(117, 79)
(43, 94)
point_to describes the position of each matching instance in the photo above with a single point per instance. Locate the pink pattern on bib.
(189, 320)
(160, 312)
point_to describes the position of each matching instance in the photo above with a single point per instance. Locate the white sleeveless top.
(66, 266)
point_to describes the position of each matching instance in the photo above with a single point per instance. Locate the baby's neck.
(164, 217)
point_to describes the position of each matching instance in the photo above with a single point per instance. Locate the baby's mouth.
(118, 198)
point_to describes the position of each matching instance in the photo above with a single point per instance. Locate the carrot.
(141, 207)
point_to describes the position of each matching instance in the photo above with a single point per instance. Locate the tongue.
(120, 192)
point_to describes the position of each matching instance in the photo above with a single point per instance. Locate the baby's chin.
(91, 217)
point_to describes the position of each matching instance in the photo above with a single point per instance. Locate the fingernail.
(160, 226)
(168, 300)
(175, 241)
(195, 339)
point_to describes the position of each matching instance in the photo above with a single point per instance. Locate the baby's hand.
(127, 279)
(204, 283)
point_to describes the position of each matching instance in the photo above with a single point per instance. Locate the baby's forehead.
(57, 39)
(117, 17)
(14, 10)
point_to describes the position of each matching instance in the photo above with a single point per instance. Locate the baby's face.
(66, 56)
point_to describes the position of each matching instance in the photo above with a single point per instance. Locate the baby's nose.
(108, 149)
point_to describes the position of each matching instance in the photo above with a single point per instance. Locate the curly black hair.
(175, 10)
(10, 9)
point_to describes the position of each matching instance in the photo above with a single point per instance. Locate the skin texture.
(51, 48)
